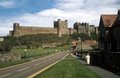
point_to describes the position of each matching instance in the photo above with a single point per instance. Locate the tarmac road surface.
(26, 69)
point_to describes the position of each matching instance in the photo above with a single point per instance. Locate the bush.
(32, 41)
(7, 44)
(94, 36)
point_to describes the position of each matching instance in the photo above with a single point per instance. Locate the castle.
(85, 28)
(60, 28)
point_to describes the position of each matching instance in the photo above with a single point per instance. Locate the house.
(109, 28)
(114, 34)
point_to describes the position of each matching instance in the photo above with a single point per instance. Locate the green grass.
(31, 53)
(68, 68)
(10, 63)
(38, 52)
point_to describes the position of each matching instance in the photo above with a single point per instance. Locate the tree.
(94, 36)
(7, 44)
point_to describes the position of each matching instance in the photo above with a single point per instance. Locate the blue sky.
(42, 13)
(19, 7)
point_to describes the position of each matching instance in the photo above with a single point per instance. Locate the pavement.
(100, 71)
(26, 69)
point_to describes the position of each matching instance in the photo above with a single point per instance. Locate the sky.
(42, 13)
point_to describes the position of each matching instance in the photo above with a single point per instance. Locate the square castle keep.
(60, 28)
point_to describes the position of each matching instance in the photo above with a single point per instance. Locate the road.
(26, 69)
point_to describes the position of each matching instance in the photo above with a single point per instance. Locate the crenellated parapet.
(25, 30)
(60, 28)
(84, 28)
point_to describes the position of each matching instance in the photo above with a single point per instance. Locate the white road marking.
(5, 75)
(23, 69)
(37, 64)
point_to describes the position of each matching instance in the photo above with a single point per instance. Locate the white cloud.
(72, 10)
(7, 3)
(4, 31)
(69, 4)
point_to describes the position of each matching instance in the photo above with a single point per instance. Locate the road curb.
(35, 74)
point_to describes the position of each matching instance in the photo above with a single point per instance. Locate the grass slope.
(38, 52)
(68, 68)
(32, 53)
(10, 63)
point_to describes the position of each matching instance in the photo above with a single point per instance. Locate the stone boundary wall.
(9, 57)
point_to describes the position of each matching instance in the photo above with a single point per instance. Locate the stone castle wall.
(23, 30)
(85, 28)
(60, 28)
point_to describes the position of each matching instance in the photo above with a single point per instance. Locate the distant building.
(85, 28)
(109, 32)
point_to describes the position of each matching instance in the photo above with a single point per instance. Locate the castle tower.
(16, 29)
(15, 26)
(62, 27)
(96, 30)
(88, 29)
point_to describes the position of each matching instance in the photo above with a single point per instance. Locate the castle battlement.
(85, 27)
(60, 28)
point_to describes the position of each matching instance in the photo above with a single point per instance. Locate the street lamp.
(80, 40)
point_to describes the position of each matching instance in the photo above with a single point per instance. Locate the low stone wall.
(9, 57)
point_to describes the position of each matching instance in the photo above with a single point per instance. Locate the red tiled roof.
(108, 20)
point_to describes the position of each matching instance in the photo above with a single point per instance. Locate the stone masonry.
(60, 28)
(85, 28)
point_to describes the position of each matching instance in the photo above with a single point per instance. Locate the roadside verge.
(35, 74)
